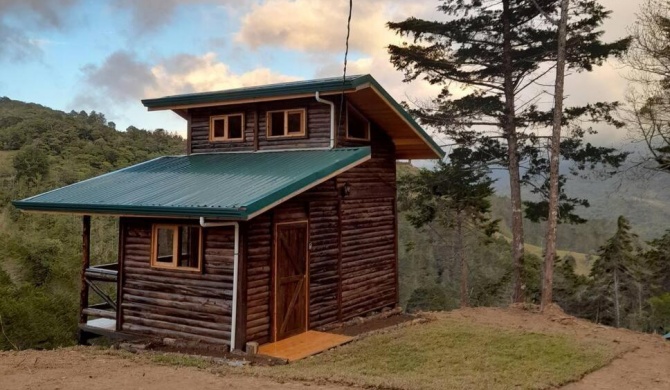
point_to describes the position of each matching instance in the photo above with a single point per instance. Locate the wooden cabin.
(280, 218)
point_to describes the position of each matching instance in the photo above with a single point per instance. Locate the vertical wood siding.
(343, 284)
(178, 304)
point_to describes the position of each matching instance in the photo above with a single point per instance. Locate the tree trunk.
(509, 128)
(460, 250)
(552, 218)
(617, 309)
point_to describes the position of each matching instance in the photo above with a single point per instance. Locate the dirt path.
(647, 367)
(79, 369)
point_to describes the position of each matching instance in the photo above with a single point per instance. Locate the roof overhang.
(226, 186)
(410, 139)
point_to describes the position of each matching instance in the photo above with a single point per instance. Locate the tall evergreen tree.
(613, 273)
(497, 51)
(454, 194)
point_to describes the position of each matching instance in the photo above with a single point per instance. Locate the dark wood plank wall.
(178, 304)
(318, 126)
(343, 284)
(368, 226)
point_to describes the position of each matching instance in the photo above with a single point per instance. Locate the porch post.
(86, 262)
(241, 320)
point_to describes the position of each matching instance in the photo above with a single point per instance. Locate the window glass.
(235, 127)
(358, 127)
(219, 125)
(189, 246)
(294, 122)
(277, 123)
(165, 242)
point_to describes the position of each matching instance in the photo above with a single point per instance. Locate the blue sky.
(107, 55)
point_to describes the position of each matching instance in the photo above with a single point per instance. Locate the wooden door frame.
(275, 283)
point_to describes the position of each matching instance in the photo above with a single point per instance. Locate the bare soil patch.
(83, 368)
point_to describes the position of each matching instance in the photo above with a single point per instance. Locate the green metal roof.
(333, 84)
(225, 185)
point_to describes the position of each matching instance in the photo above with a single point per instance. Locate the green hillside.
(42, 149)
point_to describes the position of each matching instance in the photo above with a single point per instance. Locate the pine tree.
(497, 52)
(454, 194)
(613, 273)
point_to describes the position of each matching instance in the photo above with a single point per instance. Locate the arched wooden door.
(291, 279)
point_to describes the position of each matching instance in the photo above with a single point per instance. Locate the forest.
(468, 237)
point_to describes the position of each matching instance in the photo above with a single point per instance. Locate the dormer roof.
(410, 139)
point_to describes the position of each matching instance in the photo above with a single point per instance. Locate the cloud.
(21, 19)
(149, 15)
(123, 78)
(320, 25)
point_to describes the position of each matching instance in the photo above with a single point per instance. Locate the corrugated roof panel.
(228, 185)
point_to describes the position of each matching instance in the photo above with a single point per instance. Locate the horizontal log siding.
(178, 304)
(200, 129)
(317, 122)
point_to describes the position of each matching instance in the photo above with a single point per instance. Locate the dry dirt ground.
(643, 361)
(82, 369)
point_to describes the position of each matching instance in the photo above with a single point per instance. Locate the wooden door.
(291, 279)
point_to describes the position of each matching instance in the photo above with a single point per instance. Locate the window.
(177, 247)
(287, 123)
(226, 127)
(358, 127)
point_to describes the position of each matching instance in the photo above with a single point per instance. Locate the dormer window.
(228, 127)
(286, 123)
(358, 126)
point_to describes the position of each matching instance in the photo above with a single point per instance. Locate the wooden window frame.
(303, 123)
(175, 248)
(350, 107)
(225, 137)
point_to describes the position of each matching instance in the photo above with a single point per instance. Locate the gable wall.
(359, 278)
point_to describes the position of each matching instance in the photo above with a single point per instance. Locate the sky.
(106, 55)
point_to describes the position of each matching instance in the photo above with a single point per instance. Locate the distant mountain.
(642, 198)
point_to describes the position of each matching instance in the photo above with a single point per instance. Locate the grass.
(174, 359)
(451, 354)
(581, 267)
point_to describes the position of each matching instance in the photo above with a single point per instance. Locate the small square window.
(177, 247)
(358, 127)
(287, 123)
(227, 127)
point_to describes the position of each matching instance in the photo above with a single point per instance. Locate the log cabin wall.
(255, 115)
(177, 304)
(352, 258)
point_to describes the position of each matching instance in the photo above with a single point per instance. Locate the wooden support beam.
(241, 320)
(86, 262)
(256, 128)
(119, 278)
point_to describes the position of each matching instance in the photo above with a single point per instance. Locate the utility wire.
(346, 54)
